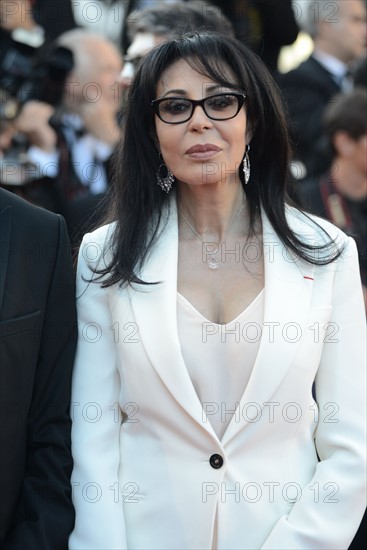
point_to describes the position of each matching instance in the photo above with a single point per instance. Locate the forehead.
(352, 8)
(182, 76)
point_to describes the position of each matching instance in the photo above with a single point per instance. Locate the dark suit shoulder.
(305, 68)
(309, 72)
(27, 217)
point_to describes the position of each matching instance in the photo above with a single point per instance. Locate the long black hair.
(137, 203)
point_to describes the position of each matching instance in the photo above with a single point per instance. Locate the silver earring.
(165, 178)
(246, 165)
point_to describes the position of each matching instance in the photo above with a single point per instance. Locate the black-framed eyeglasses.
(175, 110)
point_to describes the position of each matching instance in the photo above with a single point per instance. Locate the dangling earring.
(166, 180)
(246, 165)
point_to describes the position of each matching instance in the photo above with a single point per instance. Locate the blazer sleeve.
(95, 431)
(331, 506)
(44, 515)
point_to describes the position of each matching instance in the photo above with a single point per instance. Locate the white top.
(219, 358)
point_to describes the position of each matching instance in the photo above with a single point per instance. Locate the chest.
(220, 294)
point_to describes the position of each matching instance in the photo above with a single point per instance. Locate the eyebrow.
(211, 88)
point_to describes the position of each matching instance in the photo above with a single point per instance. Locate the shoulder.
(100, 238)
(34, 236)
(311, 227)
(308, 71)
(29, 220)
(303, 68)
(329, 240)
(95, 252)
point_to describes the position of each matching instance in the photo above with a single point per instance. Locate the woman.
(208, 310)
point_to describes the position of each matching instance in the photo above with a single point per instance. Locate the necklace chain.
(213, 263)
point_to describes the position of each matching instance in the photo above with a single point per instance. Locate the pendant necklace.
(213, 262)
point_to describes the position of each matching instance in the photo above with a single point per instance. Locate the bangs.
(217, 70)
(220, 62)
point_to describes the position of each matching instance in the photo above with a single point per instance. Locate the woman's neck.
(213, 211)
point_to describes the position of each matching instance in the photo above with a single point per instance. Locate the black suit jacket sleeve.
(44, 514)
(305, 102)
(307, 90)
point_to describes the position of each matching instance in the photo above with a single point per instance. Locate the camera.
(27, 72)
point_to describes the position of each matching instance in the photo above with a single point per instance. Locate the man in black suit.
(37, 347)
(339, 32)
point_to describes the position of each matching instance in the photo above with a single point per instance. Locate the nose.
(199, 120)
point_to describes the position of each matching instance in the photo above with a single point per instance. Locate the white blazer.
(292, 472)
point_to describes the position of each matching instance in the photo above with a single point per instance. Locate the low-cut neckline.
(246, 310)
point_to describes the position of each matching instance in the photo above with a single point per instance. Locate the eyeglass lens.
(217, 107)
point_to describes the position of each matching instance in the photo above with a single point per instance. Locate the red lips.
(202, 148)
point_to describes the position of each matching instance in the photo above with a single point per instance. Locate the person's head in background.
(97, 66)
(337, 28)
(345, 124)
(161, 23)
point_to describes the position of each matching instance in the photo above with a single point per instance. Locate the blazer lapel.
(155, 309)
(288, 290)
(5, 227)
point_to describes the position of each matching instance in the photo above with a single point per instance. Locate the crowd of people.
(216, 196)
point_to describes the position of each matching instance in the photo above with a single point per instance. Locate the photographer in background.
(24, 128)
(23, 42)
(33, 71)
(26, 29)
(71, 142)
